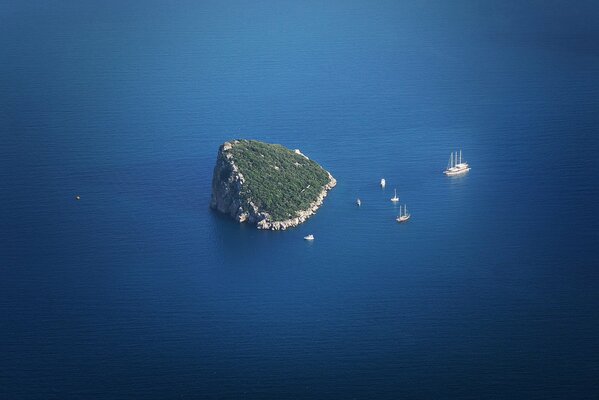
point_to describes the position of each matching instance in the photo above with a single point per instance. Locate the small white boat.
(456, 166)
(309, 237)
(359, 202)
(383, 183)
(395, 199)
(403, 216)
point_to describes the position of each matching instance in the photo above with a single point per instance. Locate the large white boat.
(309, 237)
(456, 166)
(383, 183)
(395, 199)
(403, 216)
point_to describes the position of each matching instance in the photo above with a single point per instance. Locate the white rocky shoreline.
(301, 215)
(226, 198)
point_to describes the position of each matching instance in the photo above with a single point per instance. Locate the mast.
(460, 156)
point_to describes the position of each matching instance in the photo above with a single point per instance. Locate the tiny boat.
(395, 199)
(309, 237)
(383, 183)
(456, 166)
(77, 197)
(403, 216)
(359, 202)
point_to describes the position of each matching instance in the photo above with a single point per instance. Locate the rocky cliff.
(267, 185)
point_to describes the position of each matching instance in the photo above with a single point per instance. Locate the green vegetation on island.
(278, 181)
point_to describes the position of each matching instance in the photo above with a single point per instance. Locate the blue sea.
(139, 290)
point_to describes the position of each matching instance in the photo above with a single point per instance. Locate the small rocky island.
(267, 184)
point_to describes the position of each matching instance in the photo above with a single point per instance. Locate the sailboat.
(395, 199)
(456, 166)
(383, 183)
(403, 216)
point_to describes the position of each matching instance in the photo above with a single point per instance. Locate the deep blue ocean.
(139, 290)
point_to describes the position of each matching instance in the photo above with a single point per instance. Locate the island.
(267, 184)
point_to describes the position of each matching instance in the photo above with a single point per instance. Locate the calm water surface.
(138, 290)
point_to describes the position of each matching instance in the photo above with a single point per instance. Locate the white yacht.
(309, 237)
(395, 199)
(383, 183)
(403, 216)
(359, 202)
(456, 166)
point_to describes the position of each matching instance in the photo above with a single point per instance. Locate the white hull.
(456, 166)
(454, 172)
(403, 215)
(403, 218)
(309, 237)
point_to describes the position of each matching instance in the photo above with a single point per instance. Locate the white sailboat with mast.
(403, 215)
(456, 166)
(395, 199)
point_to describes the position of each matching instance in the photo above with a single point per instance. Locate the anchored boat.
(383, 183)
(403, 216)
(395, 199)
(456, 166)
(309, 237)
